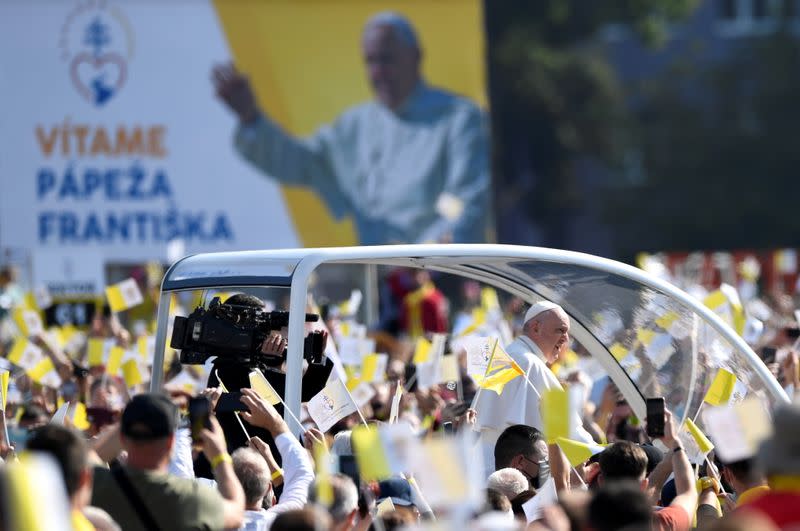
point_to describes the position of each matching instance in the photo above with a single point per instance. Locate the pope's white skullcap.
(540, 307)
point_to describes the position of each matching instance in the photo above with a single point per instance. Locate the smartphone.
(199, 417)
(655, 417)
(230, 402)
(448, 428)
(768, 355)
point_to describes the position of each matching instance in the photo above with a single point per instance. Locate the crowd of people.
(127, 458)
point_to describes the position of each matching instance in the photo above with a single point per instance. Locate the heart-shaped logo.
(98, 78)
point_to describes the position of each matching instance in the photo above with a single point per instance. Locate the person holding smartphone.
(142, 495)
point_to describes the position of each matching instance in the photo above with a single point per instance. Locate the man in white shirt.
(545, 335)
(412, 166)
(257, 470)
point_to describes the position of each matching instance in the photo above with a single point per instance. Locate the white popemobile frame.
(293, 268)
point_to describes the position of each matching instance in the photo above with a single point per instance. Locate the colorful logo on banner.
(97, 44)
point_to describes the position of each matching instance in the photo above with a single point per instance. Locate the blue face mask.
(18, 437)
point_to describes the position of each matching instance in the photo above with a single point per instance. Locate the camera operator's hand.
(274, 345)
(234, 89)
(261, 413)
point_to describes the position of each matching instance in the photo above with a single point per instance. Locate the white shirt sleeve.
(180, 462)
(298, 474)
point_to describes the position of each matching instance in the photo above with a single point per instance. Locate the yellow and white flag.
(429, 371)
(45, 373)
(124, 295)
(479, 353)
(383, 451)
(114, 361)
(28, 321)
(350, 306)
(422, 351)
(578, 452)
(447, 470)
(703, 444)
(98, 351)
(132, 373)
(146, 348)
(4, 376)
(725, 302)
(260, 384)
(501, 370)
(78, 417)
(330, 405)
(725, 389)
(36, 499)
(25, 354)
(738, 429)
(373, 368)
(489, 300)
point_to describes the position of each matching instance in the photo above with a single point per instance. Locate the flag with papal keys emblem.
(330, 405)
(124, 295)
(29, 322)
(725, 389)
(25, 354)
(501, 370)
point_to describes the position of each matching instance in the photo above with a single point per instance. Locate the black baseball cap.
(149, 416)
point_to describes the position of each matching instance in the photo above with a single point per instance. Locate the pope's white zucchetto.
(538, 308)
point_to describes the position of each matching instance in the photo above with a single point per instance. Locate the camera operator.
(234, 370)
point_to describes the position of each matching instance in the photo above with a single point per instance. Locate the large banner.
(113, 142)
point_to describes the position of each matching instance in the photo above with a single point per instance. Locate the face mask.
(18, 437)
(541, 478)
(544, 474)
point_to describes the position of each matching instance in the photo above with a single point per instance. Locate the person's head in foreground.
(344, 509)
(619, 504)
(147, 431)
